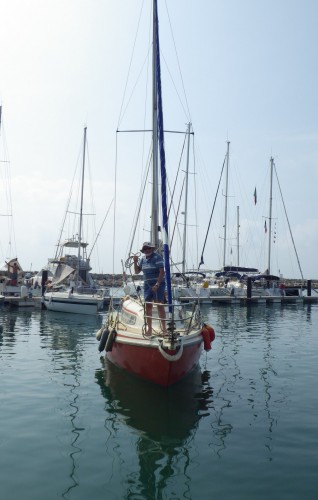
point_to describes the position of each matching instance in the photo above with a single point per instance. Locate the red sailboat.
(177, 339)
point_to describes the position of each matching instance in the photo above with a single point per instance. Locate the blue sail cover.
(165, 233)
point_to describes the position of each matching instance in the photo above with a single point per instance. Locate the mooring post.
(249, 288)
(309, 288)
(43, 282)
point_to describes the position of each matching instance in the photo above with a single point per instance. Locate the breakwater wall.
(117, 280)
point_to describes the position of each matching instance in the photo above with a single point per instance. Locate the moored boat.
(69, 287)
(163, 358)
(173, 348)
(72, 302)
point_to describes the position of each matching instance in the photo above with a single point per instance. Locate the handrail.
(179, 319)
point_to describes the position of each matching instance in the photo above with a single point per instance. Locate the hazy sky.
(249, 73)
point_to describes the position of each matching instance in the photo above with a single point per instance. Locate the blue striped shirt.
(150, 267)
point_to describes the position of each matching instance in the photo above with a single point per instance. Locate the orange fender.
(206, 338)
(211, 331)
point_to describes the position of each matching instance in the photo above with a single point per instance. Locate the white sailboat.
(273, 286)
(256, 284)
(204, 285)
(79, 297)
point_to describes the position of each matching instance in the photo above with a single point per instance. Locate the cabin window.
(128, 318)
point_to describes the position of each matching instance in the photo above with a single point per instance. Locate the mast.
(161, 143)
(226, 196)
(155, 183)
(81, 208)
(238, 235)
(186, 204)
(270, 217)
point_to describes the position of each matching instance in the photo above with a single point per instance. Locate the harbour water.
(243, 426)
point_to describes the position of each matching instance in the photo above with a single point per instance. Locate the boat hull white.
(72, 303)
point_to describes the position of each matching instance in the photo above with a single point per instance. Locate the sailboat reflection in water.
(165, 420)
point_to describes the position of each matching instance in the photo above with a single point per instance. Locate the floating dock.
(23, 301)
(245, 301)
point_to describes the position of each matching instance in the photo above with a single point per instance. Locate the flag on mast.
(265, 227)
(255, 196)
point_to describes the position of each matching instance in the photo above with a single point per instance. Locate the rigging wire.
(139, 205)
(90, 185)
(115, 207)
(125, 106)
(121, 114)
(195, 204)
(210, 220)
(289, 227)
(67, 211)
(177, 213)
(175, 182)
(179, 67)
(97, 236)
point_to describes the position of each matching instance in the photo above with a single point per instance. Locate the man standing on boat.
(151, 264)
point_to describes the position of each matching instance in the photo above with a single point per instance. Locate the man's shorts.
(157, 296)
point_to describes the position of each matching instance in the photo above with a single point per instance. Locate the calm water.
(244, 426)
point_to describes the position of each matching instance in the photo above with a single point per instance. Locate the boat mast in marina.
(185, 221)
(155, 168)
(226, 202)
(6, 211)
(81, 209)
(270, 216)
(238, 235)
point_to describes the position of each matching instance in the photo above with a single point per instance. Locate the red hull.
(148, 363)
